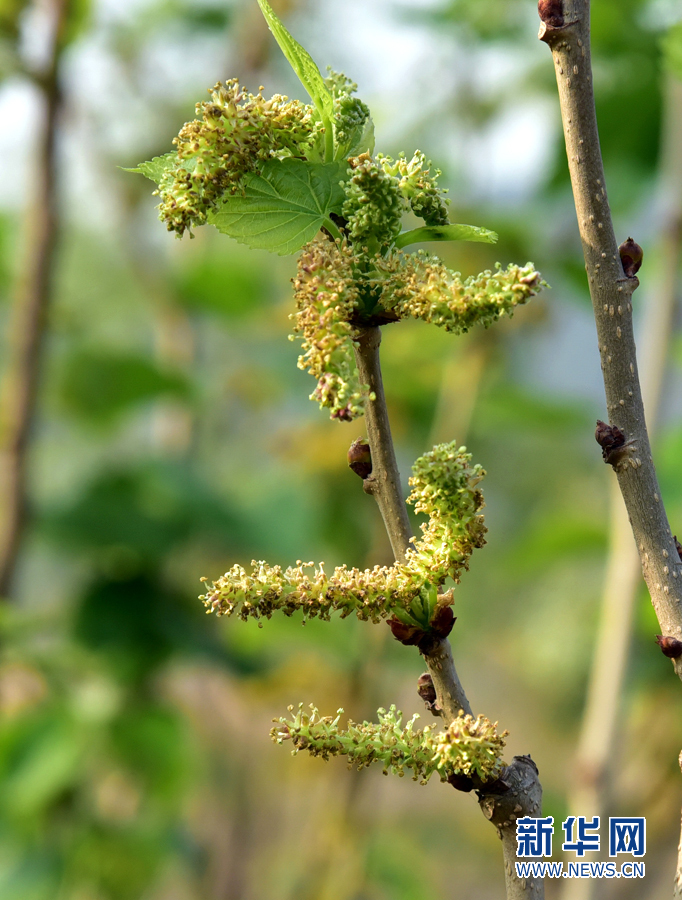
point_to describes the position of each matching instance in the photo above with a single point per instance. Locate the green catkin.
(234, 131)
(420, 286)
(467, 747)
(326, 296)
(444, 487)
(418, 187)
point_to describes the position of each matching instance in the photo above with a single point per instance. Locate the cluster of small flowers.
(444, 486)
(419, 285)
(235, 131)
(418, 186)
(474, 746)
(373, 207)
(351, 115)
(380, 190)
(441, 476)
(468, 746)
(326, 297)
(371, 594)
(330, 284)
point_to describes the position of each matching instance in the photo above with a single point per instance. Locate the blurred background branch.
(33, 293)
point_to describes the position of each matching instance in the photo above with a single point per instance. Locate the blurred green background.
(174, 437)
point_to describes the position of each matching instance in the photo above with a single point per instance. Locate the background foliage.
(175, 438)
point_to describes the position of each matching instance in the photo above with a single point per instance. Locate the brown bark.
(567, 33)
(29, 316)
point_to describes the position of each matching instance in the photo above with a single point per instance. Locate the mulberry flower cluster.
(373, 207)
(419, 285)
(332, 292)
(326, 295)
(351, 115)
(469, 746)
(445, 487)
(418, 186)
(234, 131)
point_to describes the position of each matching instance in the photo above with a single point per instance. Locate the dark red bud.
(442, 622)
(670, 646)
(631, 255)
(678, 546)
(427, 692)
(406, 634)
(611, 439)
(551, 12)
(360, 458)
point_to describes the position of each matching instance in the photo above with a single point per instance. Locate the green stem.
(328, 140)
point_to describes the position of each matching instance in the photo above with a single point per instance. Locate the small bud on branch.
(360, 458)
(612, 442)
(551, 12)
(631, 255)
(670, 646)
(427, 691)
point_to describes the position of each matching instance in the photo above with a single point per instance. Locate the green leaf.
(301, 62)
(446, 233)
(156, 168)
(284, 206)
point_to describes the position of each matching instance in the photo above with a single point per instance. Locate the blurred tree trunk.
(29, 316)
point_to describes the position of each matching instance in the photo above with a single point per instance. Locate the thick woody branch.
(517, 792)
(566, 30)
(522, 797)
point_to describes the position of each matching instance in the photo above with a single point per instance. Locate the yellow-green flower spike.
(468, 747)
(419, 285)
(234, 131)
(326, 298)
(445, 487)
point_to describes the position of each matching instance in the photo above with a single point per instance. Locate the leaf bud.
(360, 458)
(427, 691)
(631, 255)
(551, 12)
(670, 646)
(442, 622)
(410, 635)
(611, 440)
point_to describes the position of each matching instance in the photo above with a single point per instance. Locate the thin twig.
(384, 482)
(566, 30)
(34, 290)
(595, 762)
(518, 790)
